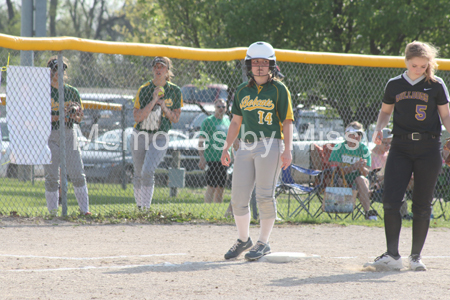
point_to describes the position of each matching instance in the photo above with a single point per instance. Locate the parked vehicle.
(206, 95)
(106, 119)
(191, 118)
(313, 126)
(5, 150)
(103, 158)
(10, 170)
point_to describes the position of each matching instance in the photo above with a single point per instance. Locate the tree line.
(375, 27)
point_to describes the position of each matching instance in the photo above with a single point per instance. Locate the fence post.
(124, 147)
(62, 135)
(176, 163)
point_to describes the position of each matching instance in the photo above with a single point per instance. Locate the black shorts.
(216, 175)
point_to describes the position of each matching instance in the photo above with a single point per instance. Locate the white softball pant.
(256, 164)
(147, 151)
(75, 168)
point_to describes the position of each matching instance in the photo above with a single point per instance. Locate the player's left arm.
(287, 115)
(173, 114)
(286, 156)
(74, 111)
(444, 113)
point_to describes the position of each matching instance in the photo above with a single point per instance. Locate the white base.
(283, 257)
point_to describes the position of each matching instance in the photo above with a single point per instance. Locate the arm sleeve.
(204, 128)
(388, 97)
(284, 105)
(335, 154)
(235, 109)
(178, 103)
(443, 97)
(137, 101)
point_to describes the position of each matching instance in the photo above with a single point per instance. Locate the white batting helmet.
(261, 50)
(265, 51)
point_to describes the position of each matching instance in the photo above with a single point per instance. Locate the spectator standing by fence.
(213, 133)
(262, 116)
(157, 105)
(75, 170)
(419, 101)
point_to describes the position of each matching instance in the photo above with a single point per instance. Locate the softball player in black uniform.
(419, 101)
(262, 116)
(75, 168)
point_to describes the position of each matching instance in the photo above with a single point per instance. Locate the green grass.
(109, 203)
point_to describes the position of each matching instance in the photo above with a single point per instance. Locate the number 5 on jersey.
(420, 112)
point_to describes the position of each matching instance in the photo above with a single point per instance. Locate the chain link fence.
(325, 98)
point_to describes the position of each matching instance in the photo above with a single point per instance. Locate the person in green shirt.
(213, 133)
(353, 157)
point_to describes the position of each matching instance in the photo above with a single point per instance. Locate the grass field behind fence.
(108, 200)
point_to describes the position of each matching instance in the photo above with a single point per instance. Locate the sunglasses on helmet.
(53, 65)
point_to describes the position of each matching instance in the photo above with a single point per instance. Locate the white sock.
(243, 224)
(146, 196)
(265, 229)
(81, 193)
(138, 196)
(52, 202)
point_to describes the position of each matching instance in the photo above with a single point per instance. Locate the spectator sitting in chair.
(354, 159)
(379, 157)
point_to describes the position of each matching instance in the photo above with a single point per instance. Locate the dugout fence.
(328, 91)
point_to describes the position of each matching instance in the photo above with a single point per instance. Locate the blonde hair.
(424, 50)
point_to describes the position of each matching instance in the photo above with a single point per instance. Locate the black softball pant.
(423, 158)
(406, 157)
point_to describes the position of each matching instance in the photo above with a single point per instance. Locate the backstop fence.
(328, 92)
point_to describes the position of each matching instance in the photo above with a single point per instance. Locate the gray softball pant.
(257, 164)
(147, 151)
(75, 168)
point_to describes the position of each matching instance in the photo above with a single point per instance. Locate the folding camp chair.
(303, 194)
(376, 196)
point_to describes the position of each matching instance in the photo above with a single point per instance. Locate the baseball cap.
(159, 60)
(53, 64)
(387, 133)
(352, 129)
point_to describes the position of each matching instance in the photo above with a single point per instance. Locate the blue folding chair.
(302, 194)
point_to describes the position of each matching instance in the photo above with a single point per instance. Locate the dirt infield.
(61, 260)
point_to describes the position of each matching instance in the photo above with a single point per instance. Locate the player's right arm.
(233, 132)
(383, 120)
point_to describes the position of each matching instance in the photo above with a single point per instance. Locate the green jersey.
(215, 132)
(263, 109)
(343, 154)
(172, 98)
(70, 95)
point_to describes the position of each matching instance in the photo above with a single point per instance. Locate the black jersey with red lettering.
(416, 104)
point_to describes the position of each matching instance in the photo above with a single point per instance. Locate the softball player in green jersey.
(157, 105)
(75, 168)
(262, 117)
